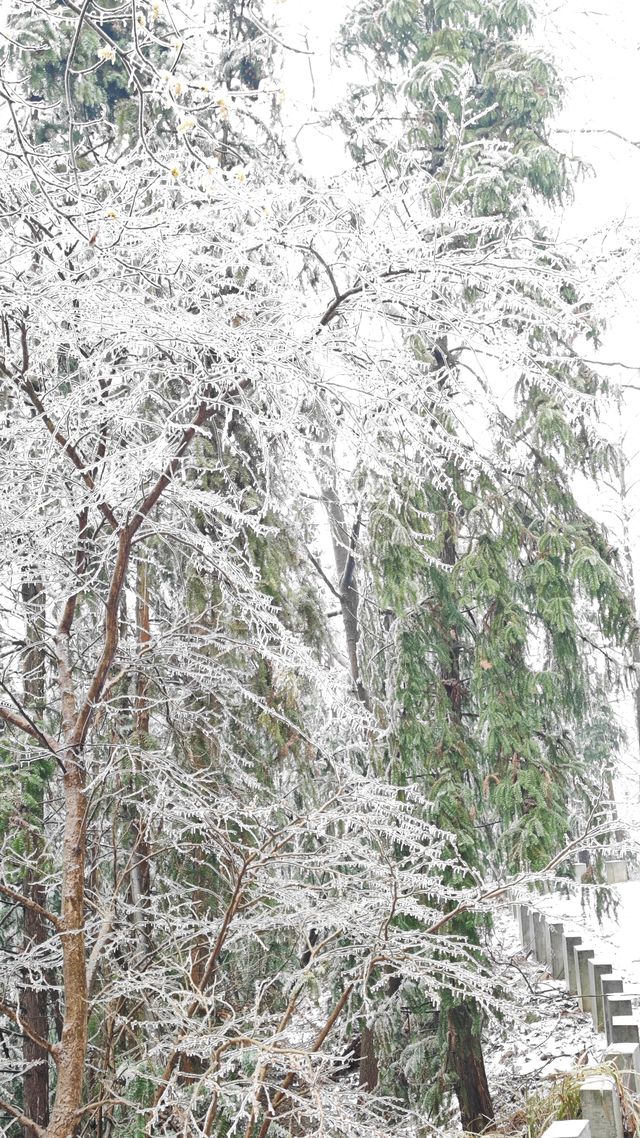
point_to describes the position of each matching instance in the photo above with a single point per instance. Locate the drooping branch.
(231, 911)
(315, 1047)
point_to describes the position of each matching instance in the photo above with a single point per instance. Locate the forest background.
(310, 631)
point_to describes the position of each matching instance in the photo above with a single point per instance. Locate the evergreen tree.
(484, 571)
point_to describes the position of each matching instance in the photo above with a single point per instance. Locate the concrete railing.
(601, 1112)
(615, 871)
(601, 994)
(591, 980)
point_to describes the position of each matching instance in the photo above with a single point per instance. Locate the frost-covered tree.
(214, 369)
(205, 813)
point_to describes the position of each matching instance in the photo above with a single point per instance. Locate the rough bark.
(33, 1013)
(368, 1070)
(140, 875)
(33, 1003)
(64, 1117)
(467, 1065)
(345, 547)
(345, 544)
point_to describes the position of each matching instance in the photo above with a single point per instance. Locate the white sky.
(598, 50)
(597, 47)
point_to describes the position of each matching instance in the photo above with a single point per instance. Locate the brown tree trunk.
(33, 1013)
(467, 1064)
(368, 1070)
(76, 723)
(64, 1117)
(140, 876)
(345, 550)
(68, 751)
(33, 1001)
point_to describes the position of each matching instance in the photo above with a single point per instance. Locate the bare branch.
(28, 903)
(24, 723)
(318, 567)
(68, 448)
(597, 130)
(23, 1119)
(10, 1013)
(83, 718)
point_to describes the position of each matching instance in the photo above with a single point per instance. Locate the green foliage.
(474, 99)
(24, 783)
(492, 579)
(98, 87)
(406, 1037)
(485, 716)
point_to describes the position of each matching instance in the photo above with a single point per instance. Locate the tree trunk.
(64, 1117)
(470, 1078)
(464, 1040)
(33, 1013)
(368, 1070)
(140, 874)
(345, 549)
(33, 1001)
